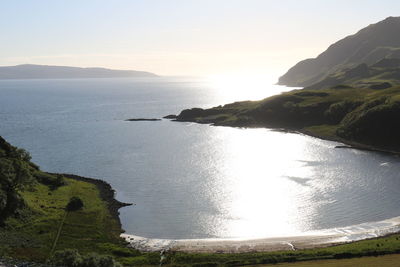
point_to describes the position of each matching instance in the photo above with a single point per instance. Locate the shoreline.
(107, 194)
(308, 240)
(347, 143)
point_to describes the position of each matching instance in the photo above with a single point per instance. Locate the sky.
(180, 37)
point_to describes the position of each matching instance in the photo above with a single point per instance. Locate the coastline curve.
(308, 240)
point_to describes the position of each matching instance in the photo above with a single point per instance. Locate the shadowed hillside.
(369, 45)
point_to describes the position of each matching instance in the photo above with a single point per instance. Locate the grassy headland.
(37, 223)
(362, 117)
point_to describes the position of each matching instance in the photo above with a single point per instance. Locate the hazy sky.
(180, 37)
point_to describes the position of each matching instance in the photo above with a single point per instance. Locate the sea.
(190, 180)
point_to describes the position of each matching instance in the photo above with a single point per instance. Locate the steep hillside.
(369, 45)
(380, 75)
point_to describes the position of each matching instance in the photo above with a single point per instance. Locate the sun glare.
(243, 86)
(259, 185)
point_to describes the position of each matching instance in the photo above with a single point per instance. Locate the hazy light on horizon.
(180, 37)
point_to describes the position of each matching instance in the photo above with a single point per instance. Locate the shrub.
(15, 176)
(53, 181)
(68, 257)
(75, 203)
(337, 111)
(375, 123)
(72, 258)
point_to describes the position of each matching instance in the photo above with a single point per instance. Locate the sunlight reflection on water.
(262, 179)
(189, 180)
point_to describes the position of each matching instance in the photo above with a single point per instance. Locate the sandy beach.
(315, 239)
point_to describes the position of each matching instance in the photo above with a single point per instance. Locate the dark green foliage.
(119, 251)
(311, 93)
(15, 175)
(75, 203)
(51, 180)
(196, 112)
(375, 123)
(337, 111)
(342, 86)
(381, 86)
(72, 258)
(68, 257)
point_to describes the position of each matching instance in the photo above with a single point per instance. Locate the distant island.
(351, 94)
(29, 71)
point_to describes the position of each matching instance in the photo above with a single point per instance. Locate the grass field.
(47, 227)
(381, 261)
(373, 247)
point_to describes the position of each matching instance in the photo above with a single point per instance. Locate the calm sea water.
(189, 180)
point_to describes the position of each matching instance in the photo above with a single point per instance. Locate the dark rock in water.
(172, 116)
(381, 86)
(142, 119)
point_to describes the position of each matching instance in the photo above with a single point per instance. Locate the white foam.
(311, 239)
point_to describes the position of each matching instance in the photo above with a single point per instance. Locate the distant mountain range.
(368, 47)
(29, 71)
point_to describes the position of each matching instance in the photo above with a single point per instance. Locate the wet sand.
(315, 239)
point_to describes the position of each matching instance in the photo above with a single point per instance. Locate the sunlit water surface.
(189, 180)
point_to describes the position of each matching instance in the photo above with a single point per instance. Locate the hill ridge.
(368, 45)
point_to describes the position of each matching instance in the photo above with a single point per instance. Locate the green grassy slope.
(380, 75)
(380, 261)
(41, 224)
